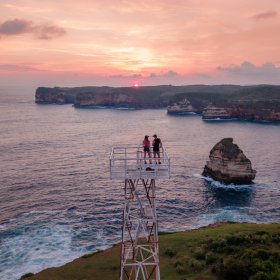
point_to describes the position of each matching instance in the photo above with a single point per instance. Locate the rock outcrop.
(228, 164)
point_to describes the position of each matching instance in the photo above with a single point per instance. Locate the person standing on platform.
(157, 145)
(146, 147)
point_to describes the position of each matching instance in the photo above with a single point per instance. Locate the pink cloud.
(265, 15)
(126, 76)
(21, 26)
(17, 68)
(48, 31)
(247, 72)
(15, 27)
(169, 74)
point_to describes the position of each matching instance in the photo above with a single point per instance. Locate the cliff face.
(113, 99)
(240, 112)
(54, 96)
(228, 164)
(254, 114)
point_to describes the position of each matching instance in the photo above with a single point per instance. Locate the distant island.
(213, 102)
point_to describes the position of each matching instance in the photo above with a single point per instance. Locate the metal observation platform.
(140, 248)
(128, 162)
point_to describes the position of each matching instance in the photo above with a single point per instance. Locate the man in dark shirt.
(157, 144)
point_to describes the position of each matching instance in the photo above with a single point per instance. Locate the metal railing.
(128, 162)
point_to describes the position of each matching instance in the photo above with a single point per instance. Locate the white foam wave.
(228, 214)
(35, 250)
(2, 227)
(219, 185)
(124, 108)
(35, 212)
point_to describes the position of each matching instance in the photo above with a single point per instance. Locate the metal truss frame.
(140, 251)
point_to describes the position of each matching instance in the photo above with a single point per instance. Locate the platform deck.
(128, 162)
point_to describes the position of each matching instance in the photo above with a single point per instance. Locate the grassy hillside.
(228, 251)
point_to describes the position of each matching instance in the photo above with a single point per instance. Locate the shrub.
(180, 269)
(113, 267)
(260, 232)
(210, 258)
(170, 252)
(199, 254)
(276, 238)
(235, 269)
(196, 265)
(264, 266)
(177, 262)
(179, 266)
(237, 239)
(220, 246)
(91, 254)
(260, 276)
(261, 254)
(260, 239)
(27, 275)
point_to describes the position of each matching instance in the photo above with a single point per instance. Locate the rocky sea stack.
(228, 164)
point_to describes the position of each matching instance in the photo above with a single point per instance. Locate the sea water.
(58, 203)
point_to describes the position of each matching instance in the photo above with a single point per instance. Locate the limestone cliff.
(228, 164)
(110, 99)
(247, 112)
(54, 95)
(240, 111)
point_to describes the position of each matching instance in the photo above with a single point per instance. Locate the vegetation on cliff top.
(227, 251)
(258, 97)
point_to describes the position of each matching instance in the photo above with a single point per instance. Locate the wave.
(227, 214)
(125, 108)
(220, 119)
(36, 248)
(219, 185)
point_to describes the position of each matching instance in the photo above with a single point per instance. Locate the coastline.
(105, 264)
(253, 103)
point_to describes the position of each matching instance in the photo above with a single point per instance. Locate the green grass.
(228, 251)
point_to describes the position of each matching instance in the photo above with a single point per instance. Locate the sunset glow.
(111, 42)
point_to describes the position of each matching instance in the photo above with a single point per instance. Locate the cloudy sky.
(121, 42)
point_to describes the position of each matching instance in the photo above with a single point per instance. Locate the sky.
(149, 42)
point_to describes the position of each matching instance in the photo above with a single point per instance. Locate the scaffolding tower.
(140, 248)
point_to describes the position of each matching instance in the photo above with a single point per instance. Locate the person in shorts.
(157, 145)
(146, 147)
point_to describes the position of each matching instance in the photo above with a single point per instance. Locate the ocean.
(57, 201)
